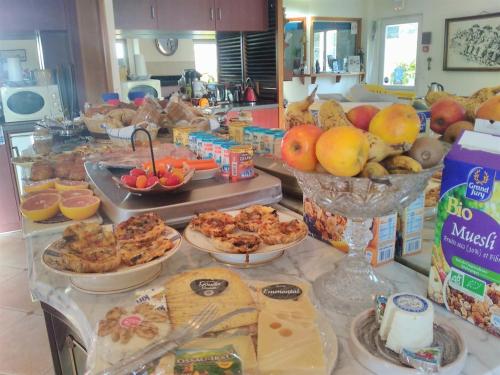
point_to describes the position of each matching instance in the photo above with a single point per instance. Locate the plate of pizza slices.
(244, 238)
(103, 259)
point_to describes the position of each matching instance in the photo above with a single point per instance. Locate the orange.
(343, 150)
(141, 182)
(397, 123)
(490, 109)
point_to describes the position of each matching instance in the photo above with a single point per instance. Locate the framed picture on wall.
(472, 43)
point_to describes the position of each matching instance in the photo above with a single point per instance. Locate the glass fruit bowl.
(352, 286)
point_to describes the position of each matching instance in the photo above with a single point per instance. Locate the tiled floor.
(24, 347)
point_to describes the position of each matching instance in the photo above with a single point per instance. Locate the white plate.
(364, 323)
(122, 279)
(264, 255)
(205, 174)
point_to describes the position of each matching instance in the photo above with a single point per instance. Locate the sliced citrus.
(75, 193)
(79, 207)
(39, 185)
(33, 193)
(41, 206)
(71, 185)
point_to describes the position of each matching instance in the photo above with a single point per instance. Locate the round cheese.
(407, 322)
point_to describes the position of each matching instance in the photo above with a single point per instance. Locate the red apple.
(298, 147)
(128, 180)
(445, 112)
(137, 172)
(361, 115)
(152, 180)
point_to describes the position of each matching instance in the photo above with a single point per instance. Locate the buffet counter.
(81, 311)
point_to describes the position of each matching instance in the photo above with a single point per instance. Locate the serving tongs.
(138, 362)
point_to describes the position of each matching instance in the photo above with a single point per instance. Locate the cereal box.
(465, 268)
(410, 228)
(329, 227)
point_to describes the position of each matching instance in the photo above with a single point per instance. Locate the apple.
(128, 180)
(172, 180)
(445, 112)
(151, 181)
(137, 172)
(361, 115)
(298, 147)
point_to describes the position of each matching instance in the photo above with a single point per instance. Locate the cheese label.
(411, 303)
(209, 287)
(282, 291)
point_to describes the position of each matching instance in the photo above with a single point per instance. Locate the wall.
(31, 53)
(158, 64)
(294, 90)
(433, 15)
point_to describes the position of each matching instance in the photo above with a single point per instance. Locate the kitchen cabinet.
(186, 14)
(200, 15)
(133, 14)
(30, 15)
(262, 117)
(241, 15)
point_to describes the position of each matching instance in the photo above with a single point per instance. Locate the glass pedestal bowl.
(352, 286)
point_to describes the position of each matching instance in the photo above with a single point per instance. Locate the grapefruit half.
(39, 185)
(75, 193)
(70, 185)
(41, 206)
(33, 193)
(80, 207)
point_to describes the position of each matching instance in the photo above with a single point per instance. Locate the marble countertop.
(308, 260)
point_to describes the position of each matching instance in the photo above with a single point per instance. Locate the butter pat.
(407, 322)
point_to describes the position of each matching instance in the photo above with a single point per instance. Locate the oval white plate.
(123, 278)
(386, 367)
(264, 255)
(205, 174)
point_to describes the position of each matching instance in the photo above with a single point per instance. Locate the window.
(325, 50)
(400, 45)
(120, 49)
(205, 58)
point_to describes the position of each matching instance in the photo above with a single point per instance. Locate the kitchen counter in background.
(308, 260)
(264, 115)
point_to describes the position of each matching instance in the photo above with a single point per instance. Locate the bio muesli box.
(465, 268)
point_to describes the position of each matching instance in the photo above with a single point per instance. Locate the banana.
(379, 149)
(373, 169)
(400, 171)
(298, 113)
(332, 114)
(402, 163)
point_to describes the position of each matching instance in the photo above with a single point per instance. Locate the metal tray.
(179, 206)
(275, 167)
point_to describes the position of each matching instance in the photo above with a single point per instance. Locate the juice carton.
(410, 228)
(465, 268)
(329, 227)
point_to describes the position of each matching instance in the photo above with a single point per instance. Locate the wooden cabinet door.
(30, 15)
(241, 15)
(135, 14)
(174, 15)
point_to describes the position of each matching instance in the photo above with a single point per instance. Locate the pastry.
(251, 218)
(88, 248)
(282, 232)
(214, 224)
(145, 227)
(238, 243)
(139, 252)
(41, 170)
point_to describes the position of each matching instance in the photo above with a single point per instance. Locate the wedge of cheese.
(407, 322)
(243, 346)
(190, 292)
(288, 299)
(286, 346)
